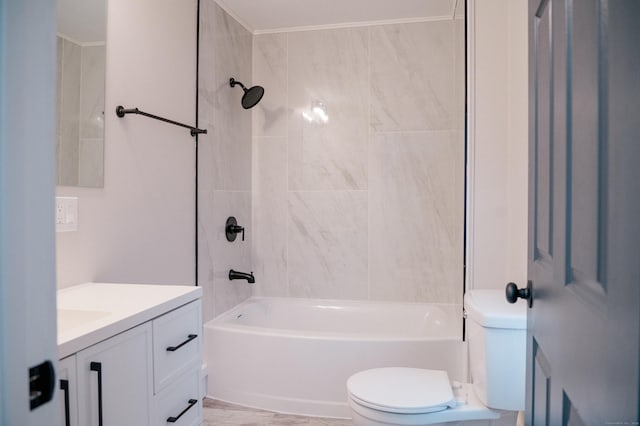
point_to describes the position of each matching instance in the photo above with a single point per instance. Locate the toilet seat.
(412, 397)
(402, 390)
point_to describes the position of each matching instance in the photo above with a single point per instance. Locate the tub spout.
(235, 275)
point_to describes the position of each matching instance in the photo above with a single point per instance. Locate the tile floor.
(218, 413)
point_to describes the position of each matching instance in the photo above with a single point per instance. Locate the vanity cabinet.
(114, 379)
(67, 386)
(147, 375)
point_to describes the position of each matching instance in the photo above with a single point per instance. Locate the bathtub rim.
(224, 321)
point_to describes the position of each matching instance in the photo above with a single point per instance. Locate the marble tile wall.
(91, 143)
(369, 204)
(224, 158)
(80, 121)
(69, 59)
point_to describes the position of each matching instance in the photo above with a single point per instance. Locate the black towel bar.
(122, 111)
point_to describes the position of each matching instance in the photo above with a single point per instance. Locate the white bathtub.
(295, 355)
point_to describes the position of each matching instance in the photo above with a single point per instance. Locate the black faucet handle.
(232, 229)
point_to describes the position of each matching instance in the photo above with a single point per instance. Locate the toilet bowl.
(413, 396)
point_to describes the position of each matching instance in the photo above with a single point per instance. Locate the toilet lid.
(402, 390)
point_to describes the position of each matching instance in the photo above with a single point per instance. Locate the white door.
(584, 219)
(27, 191)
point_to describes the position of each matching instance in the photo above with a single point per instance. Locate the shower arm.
(122, 111)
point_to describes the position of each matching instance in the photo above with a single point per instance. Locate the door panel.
(586, 144)
(583, 344)
(543, 140)
(570, 416)
(541, 379)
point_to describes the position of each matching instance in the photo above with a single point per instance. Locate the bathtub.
(295, 355)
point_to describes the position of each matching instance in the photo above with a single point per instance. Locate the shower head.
(251, 96)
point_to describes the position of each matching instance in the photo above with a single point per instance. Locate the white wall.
(140, 227)
(497, 213)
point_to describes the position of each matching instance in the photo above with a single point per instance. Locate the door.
(115, 380)
(27, 191)
(584, 198)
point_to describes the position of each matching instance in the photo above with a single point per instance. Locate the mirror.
(80, 45)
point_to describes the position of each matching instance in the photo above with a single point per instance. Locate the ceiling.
(265, 16)
(84, 20)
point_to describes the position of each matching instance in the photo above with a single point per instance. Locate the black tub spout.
(236, 275)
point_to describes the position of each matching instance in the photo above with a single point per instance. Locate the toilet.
(496, 335)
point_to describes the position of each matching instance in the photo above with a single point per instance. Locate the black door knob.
(512, 292)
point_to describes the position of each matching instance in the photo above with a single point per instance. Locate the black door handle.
(42, 381)
(97, 367)
(512, 293)
(64, 386)
(192, 402)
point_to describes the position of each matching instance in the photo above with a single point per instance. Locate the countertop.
(92, 312)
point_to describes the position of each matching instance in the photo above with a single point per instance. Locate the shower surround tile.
(224, 159)
(270, 215)
(460, 78)
(91, 164)
(369, 204)
(270, 72)
(328, 66)
(412, 77)
(69, 111)
(416, 217)
(216, 255)
(225, 53)
(92, 96)
(328, 244)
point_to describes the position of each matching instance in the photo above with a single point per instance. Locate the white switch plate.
(66, 214)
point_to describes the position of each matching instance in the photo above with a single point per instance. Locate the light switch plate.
(66, 214)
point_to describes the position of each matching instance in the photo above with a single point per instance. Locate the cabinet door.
(115, 380)
(177, 342)
(68, 388)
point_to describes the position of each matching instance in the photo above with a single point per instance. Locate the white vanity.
(130, 354)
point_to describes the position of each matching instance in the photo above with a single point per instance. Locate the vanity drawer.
(177, 341)
(181, 402)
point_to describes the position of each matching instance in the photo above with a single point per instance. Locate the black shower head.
(251, 96)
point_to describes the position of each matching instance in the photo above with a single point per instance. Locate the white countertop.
(92, 312)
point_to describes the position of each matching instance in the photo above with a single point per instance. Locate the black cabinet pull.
(97, 367)
(64, 386)
(192, 402)
(190, 337)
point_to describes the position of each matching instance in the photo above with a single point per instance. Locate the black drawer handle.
(192, 402)
(97, 367)
(64, 385)
(189, 338)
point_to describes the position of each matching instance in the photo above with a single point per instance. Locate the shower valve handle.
(232, 229)
(236, 229)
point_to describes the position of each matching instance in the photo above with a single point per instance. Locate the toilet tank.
(497, 338)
